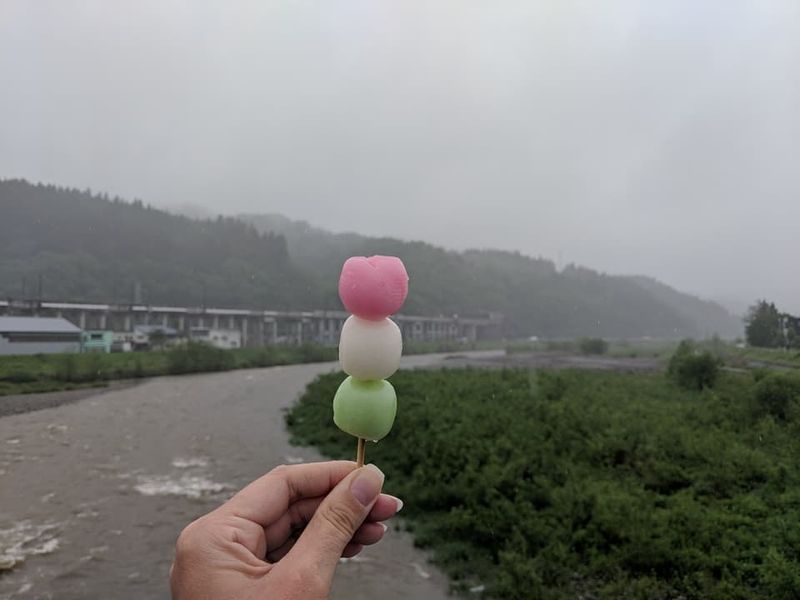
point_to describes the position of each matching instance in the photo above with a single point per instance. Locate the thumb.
(334, 523)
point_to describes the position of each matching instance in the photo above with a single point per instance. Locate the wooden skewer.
(360, 453)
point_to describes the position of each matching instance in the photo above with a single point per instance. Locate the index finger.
(269, 497)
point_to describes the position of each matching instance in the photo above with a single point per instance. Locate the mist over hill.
(78, 245)
(537, 298)
(85, 246)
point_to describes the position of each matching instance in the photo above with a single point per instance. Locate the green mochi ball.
(365, 409)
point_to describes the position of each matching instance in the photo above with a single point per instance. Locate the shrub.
(692, 369)
(586, 484)
(67, 367)
(91, 367)
(195, 357)
(20, 377)
(138, 367)
(521, 347)
(593, 346)
(560, 346)
(778, 394)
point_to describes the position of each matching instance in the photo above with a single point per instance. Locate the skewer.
(360, 453)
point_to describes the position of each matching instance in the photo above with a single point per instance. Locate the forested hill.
(91, 247)
(84, 246)
(537, 298)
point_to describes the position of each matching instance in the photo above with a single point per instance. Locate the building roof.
(36, 325)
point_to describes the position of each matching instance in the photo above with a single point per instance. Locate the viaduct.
(257, 327)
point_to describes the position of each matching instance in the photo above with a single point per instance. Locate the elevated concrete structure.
(257, 327)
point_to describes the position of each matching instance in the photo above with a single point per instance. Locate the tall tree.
(791, 325)
(763, 325)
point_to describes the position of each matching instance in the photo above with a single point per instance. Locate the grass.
(51, 372)
(727, 352)
(661, 349)
(55, 372)
(770, 356)
(590, 484)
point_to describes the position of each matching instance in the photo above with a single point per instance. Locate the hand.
(281, 537)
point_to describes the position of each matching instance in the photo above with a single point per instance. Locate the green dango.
(365, 409)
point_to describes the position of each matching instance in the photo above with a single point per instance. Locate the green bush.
(92, 368)
(196, 357)
(67, 367)
(585, 484)
(692, 369)
(560, 346)
(593, 346)
(778, 394)
(522, 347)
(49, 372)
(20, 377)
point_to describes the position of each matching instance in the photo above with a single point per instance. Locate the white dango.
(370, 349)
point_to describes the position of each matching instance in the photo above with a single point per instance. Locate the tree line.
(768, 327)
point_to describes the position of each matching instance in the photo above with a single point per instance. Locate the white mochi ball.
(370, 349)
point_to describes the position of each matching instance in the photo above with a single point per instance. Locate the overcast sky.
(660, 138)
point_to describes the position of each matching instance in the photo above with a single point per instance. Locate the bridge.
(257, 327)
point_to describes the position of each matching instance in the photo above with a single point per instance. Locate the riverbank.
(17, 404)
(64, 372)
(61, 372)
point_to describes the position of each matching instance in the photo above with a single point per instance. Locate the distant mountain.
(85, 246)
(306, 243)
(708, 316)
(193, 211)
(536, 298)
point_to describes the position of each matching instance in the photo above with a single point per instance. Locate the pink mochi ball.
(373, 288)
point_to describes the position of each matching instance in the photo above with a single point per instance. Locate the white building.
(38, 335)
(219, 338)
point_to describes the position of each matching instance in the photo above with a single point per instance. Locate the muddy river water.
(94, 493)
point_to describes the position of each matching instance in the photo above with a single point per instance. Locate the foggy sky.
(660, 138)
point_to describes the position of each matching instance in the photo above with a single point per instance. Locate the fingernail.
(367, 485)
(399, 503)
(385, 527)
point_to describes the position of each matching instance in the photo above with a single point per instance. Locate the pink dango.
(373, 288)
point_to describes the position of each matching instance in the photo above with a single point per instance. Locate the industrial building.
(38, 335)
(219, 338)
(97, 341)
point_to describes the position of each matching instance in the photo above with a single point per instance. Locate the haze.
(657, 138)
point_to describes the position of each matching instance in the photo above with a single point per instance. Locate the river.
(93, 494)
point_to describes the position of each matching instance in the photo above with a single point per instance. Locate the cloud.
(632, 137)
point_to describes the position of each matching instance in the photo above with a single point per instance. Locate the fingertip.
(351, 550)
(366, 485)
(384, 508)
(369, 533)
(398, 502)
